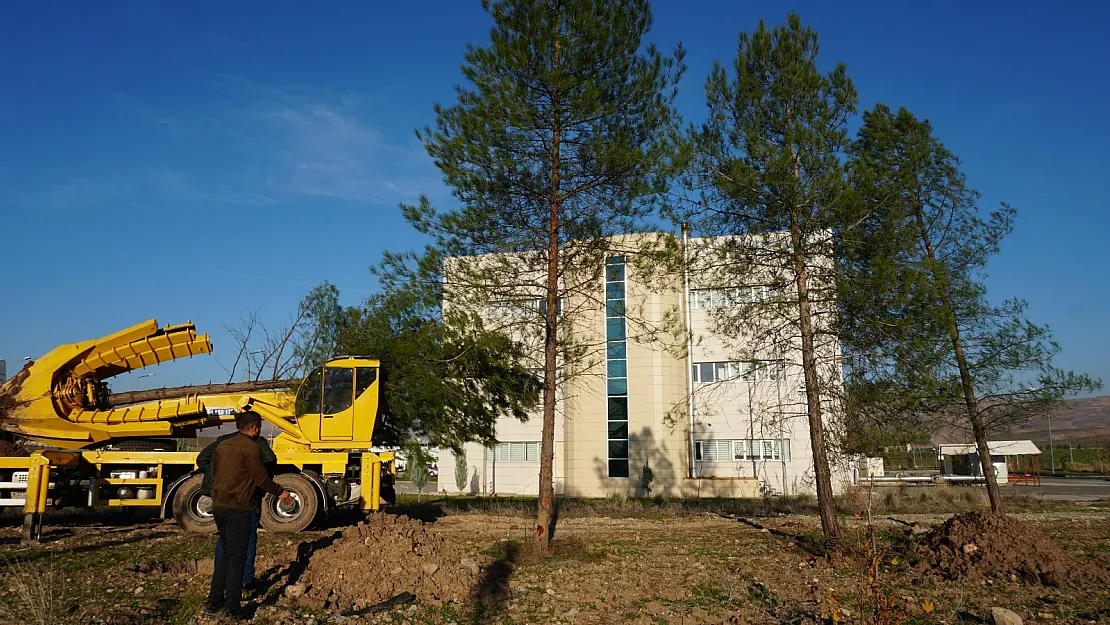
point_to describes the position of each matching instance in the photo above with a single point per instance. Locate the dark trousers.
(234, 528)
(252, 548)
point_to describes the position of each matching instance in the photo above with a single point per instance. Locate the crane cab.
(337, 404)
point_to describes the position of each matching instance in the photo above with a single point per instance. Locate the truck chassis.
(169, 480)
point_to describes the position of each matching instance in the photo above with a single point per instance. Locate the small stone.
(765, 531)
(139, 590)
(551, 591)
(430, 568)
(845, 612)
(1002, 616)
(472, 564)
(571, 613)
(295, 591)
(970, 548)
(919, 529)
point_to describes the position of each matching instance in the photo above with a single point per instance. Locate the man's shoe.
(213, 607)
(235, 614)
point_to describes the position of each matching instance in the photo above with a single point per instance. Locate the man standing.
(204, 463)
(237, 473)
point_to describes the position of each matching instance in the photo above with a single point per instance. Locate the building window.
(519, 309)
(731, 296)
(517, 452)
(616, 367)
(755, 371)
(744, 449)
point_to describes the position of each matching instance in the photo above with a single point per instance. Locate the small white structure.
(871, 467)
(962, 460)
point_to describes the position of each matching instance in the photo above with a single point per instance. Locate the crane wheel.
(279, 518)
(192, 510)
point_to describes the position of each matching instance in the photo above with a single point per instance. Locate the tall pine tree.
(927, 339)
(767, 164)
(559, 140)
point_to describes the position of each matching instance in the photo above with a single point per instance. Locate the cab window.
(339, 385)
(364, 377)
(308, 397)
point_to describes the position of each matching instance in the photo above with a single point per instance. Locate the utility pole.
(1051, 449)
(145, 375)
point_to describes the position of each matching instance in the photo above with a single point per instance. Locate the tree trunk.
(176, 392)
(826, 505)
(545, 510)
(971, 402)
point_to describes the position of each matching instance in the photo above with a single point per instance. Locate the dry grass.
(617, 507)
(915, 499)
(30, 595)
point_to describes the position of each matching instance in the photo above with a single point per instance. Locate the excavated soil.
(977, 545)
(386, 557)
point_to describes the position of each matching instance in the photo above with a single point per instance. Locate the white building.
(627, 405)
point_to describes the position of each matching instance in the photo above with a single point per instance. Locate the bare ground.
(690, 569)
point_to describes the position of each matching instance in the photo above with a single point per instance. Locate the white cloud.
(317, 144)
(272, 146)
(326, 151)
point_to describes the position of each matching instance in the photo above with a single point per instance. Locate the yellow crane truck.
(91, 450)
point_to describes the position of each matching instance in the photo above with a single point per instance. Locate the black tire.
(191, 509)
(305, 506)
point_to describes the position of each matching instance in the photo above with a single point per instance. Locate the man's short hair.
(247, 419)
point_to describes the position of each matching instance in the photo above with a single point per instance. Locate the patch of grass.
(705, 596)
(904, 499)
(760, 594)
(190, 606)
(431, 507)
(504, 550)
(33, 594)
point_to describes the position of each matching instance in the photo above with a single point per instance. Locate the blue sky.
(200, 160)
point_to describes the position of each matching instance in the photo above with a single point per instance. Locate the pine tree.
(559, 140)
(461, 473)
(767, 165)
(929, 340)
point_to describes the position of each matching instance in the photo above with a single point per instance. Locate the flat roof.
(997, 448)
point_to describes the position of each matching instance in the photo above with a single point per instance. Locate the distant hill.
(1078, 420)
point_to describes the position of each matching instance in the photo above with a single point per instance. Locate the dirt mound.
(386, 557)
(976, 545)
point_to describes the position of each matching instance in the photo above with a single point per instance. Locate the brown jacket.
(237, 470)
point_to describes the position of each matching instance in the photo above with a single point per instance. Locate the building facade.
(658, 404)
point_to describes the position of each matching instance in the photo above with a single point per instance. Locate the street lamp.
(145, 375)
(249, 354)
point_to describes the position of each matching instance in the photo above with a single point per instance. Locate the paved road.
(406, 487)
(1068, 489)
